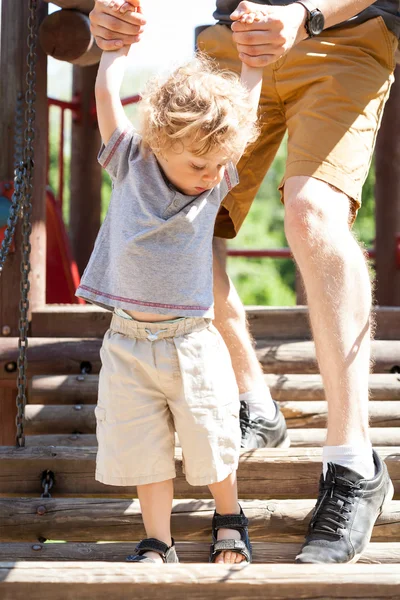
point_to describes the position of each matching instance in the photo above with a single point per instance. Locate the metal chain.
(47, 483)
(27, 169)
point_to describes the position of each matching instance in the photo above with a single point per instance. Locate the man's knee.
(314, 210)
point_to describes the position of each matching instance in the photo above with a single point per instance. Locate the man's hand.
(115, 23)
(272, 34)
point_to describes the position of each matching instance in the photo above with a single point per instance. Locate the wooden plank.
(65, 35)
(387, 206)
(84, 6)
(68, 418)
(13, 61)
(82, 389)
(380, 436)
(188, 552)
(85, 182)
(47, 418)
(309, 387)
(8, 413)
(264, 474)
(103, 580)
(82, 440)
(107, 519)
(299, 357)
(74, 389)
(264, 321)
(65, 356)
(302, 438)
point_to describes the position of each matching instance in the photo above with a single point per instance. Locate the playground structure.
(47, 485)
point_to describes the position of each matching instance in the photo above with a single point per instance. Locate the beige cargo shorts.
(158, 378)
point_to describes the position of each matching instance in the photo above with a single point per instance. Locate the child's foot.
(152, 550)
(228, 556)
(230, 546)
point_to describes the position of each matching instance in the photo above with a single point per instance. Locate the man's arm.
(281, 27)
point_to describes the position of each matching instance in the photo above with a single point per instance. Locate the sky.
(168, 39)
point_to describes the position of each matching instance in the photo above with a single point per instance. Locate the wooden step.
(102, 580)
(309, 387)
(268, 473)
(49, 418)
(188, 552)
(299, 438)
(264, 321)
(107, 519)
(64, 356)
(82, 389)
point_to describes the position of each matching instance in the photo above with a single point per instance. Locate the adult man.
(326, 84)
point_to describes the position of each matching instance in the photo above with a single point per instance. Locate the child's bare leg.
(226, 503)
(156, 505)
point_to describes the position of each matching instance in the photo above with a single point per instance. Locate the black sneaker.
(345, 514)
(262, 433)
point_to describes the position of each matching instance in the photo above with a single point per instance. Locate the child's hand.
(246, 13)
(251, 17)
(122, 6)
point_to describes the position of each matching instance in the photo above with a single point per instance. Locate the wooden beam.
(82, 389)
(299, 438)
(85, 182)
(94, 519)
(84, 6)
(64, 389)
(67, 418)
(13, 61)
(387, 193)
(264, 321)
(65, 356)
(310, 387)
(188, 552)
(263, 474)
(65, 35)
(101, 580)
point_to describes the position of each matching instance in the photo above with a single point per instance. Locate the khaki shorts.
(160, 378)
(328, 92)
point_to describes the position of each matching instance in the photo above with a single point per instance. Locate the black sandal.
(167, 553)
(239, 523)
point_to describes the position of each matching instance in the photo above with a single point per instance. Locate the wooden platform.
(104, 580)
(74, 544)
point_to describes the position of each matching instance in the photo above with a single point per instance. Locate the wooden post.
(13, 54)
(85, 187)
(387, 193)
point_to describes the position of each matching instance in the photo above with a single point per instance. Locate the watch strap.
(309, 6)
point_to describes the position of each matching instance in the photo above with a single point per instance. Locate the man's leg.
(338, 290)
(261, 421)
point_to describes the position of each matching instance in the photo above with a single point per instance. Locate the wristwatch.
(315, 21)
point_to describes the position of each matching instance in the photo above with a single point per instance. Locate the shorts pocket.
(386, 37)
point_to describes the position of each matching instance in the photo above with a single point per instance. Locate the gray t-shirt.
(389, 10)
(153, 252)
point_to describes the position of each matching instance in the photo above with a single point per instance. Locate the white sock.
(356, 458)
(260, 403)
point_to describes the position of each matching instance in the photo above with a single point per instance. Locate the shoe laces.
(244, 418)
(334, 504)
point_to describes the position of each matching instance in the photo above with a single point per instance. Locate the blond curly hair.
(199, 106)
